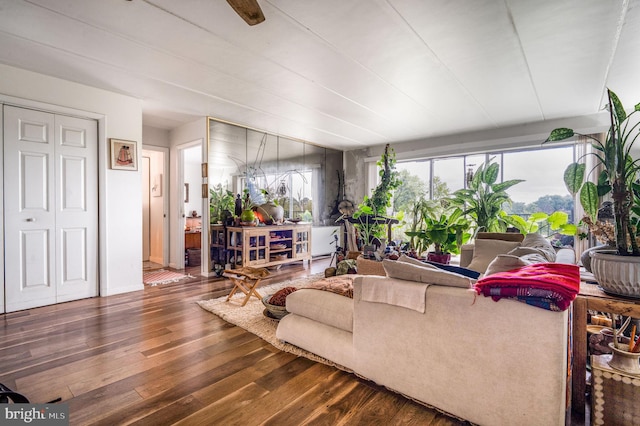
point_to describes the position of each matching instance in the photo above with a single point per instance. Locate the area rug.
(163, 277)
(251, 318)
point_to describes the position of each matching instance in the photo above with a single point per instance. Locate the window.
(541, 168)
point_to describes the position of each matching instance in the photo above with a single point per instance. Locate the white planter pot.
(619, 275)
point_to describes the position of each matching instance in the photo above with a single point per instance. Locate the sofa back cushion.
(486, 250)
(424, 274)
(536, 244)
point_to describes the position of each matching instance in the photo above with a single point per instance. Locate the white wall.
(156, 137)
(120, 191)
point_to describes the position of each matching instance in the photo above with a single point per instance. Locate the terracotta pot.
(618, 275)
(443, 258)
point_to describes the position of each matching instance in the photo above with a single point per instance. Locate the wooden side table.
(246, 280)
(591, 298)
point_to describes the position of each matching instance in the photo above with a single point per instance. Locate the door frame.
(102, 178)
(179, 209)
(165, 199)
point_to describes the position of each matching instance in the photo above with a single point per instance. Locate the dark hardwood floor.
(154, 357)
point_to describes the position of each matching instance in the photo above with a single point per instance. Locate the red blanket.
(550, 286)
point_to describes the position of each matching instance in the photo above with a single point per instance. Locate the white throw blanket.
(406, 294)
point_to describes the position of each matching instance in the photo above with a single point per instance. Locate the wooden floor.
(154, 357)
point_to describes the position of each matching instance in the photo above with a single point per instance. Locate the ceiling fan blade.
(249, 10)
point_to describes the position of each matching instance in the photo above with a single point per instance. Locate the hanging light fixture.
(282, 189)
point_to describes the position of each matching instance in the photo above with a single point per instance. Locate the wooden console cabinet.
(268, 245)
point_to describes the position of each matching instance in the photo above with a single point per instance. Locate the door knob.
(31, 219)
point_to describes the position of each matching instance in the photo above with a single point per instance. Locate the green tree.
(411, 189)
(440, 189)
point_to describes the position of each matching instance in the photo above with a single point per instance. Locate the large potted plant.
(617, 271)
(370, 219)
(483, 200)
(444, 227)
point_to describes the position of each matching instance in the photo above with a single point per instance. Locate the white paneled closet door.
(51, 208)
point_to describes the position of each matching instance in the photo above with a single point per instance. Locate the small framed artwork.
(123, 154)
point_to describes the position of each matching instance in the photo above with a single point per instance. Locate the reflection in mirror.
(299, 176)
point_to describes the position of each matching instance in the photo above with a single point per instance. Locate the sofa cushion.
(424, 274)
(486, 250)
(322, 306)
(504, 263)
(535, 244)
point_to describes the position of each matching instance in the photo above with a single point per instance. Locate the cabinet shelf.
(252, 246)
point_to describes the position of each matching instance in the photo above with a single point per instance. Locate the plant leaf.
(491, 173)
(589, 199)
(503, 186)
(557, 219)
(574, 176)
(603, 183)
(560, 134)
(618, 109)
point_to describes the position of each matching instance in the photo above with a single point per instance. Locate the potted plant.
(221, 203)
(556, 221)
(369, 218)
(617, 271)
(482, 202)
(443, 226)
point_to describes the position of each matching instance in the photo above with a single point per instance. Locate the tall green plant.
(620, 172)
(482, 202)
(374, 207)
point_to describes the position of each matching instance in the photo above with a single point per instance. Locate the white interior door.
(76, 192)
(50, 183)
(146, 211)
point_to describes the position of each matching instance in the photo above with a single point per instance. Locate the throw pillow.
(414, 261)
(504, 263)
(485, 251)
(456, 269)
(424, 274)
(540, 243)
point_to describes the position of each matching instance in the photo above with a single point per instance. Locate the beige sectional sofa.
(497, 363)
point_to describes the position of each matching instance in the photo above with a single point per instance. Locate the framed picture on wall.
(123, 154)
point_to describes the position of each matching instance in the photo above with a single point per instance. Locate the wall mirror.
(302, 177)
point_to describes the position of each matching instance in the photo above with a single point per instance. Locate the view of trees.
(413, 188)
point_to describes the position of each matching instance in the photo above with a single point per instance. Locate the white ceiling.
(340, 73)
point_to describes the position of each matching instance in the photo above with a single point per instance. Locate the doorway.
(155, 250)
(190, 201)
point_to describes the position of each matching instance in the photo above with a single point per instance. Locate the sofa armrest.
(466, 254)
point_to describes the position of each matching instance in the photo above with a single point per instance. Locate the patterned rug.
(163, 277)
(251, 316)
